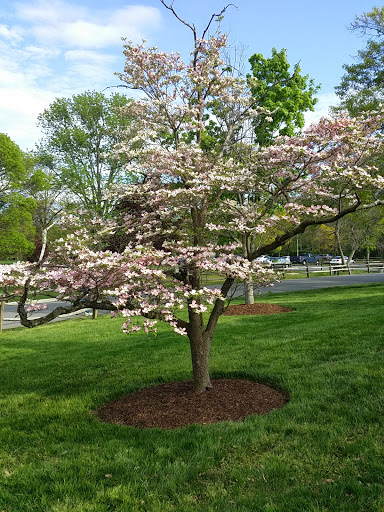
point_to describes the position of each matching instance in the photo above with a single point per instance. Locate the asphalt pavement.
(289, 285)
(11, 318)
(314, 283)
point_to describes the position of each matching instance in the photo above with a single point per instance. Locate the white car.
(281, 261)
(337, 260)
(264, 260)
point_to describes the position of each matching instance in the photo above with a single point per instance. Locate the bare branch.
(217, 16)
(170, 8)
(192, 26)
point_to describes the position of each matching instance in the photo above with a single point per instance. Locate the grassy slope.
(323, 452)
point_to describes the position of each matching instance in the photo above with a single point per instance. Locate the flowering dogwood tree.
(188, 182)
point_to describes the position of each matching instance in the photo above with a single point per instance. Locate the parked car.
(338, 260)
(264, 260)
(304, 258)
(281, 260)
(322, 257)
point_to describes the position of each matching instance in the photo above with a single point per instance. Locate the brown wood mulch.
(174, 404)
(258, 308)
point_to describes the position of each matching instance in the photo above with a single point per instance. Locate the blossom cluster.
(31, 308)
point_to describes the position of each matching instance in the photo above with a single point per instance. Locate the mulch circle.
(258, 308)
(174, 404)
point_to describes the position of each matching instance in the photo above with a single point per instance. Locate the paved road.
(313, 283)
(11, 318)
(289, 285)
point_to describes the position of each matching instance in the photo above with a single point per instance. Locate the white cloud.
(325, 101)
(11, 34)
(19, 108)
(24, 65)
(37, 52)
(91, 67)
(130, 21)
(49, 11)
(54, 49)
(89, 56)
(67, 25)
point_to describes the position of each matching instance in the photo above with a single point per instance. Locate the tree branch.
(170, 8)
(218, 308)
(282, 239)
(216, 16)
(193, 27)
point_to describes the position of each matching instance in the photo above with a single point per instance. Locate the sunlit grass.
(323, 452)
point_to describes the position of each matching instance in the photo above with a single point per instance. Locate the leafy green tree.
(12, 168)
(45, 188)
(16, 228)
(80, 133)
(316, 239)
(361, 87)
(361, 230)
(285, 94)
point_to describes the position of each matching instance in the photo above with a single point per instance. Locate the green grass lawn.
(323, 452)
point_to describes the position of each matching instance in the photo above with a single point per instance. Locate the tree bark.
(249, 293)
(338, 241)
(44, 237)
(200, 352)
(351, 255)
(200, 340)
(200, 344)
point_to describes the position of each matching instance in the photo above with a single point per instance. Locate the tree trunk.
(200, 343)
(44, 236)
(338, 241)
(249, 293)
(350, 257)
(44, 240)
(248, 249)
(2, 304)
(200, 340)
(200, 352)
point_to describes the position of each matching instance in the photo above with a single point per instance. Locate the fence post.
(2, 304)
(306, 264)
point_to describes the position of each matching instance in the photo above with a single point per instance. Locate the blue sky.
(53, 48)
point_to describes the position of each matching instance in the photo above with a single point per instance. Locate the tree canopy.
(80, 133)
(361, 87)
(12, 167)
(16, 227)
(287, 95)
(44, 186)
